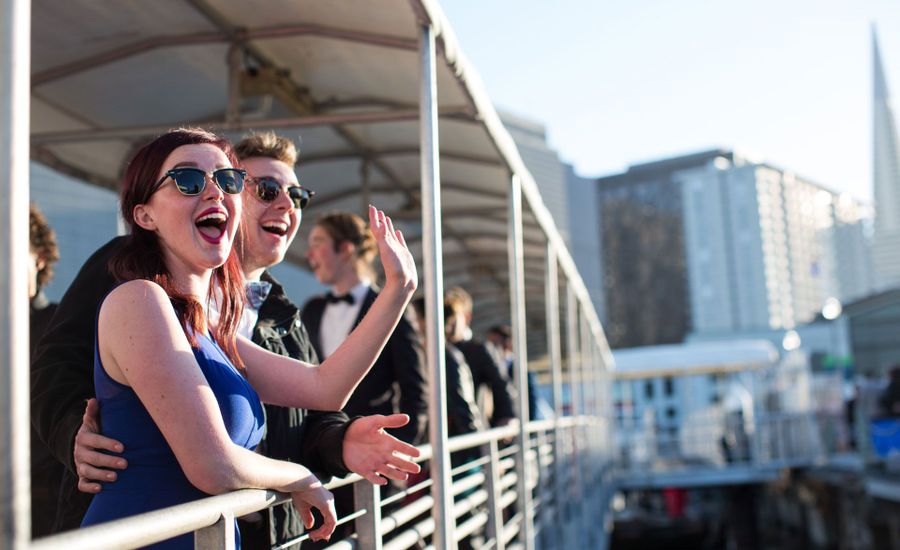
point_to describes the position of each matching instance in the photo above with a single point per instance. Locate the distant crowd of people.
(176, 366)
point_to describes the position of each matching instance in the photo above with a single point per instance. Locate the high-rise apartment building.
(718, 242)
(766, 248)
(886, 179)
(645, 276)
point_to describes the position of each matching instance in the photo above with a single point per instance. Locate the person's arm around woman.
(143, 345)
(329, 385)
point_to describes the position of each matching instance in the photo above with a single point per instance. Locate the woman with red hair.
(182, 392)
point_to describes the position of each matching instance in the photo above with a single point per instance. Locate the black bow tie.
(332, 299)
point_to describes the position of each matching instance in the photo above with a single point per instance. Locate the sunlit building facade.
(886, 179)
(718, 242)
(766, 248)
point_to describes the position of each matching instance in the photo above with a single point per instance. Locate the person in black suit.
(341, 253)
(489, 370)
(46, 471)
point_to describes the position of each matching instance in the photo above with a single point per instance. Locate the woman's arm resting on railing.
(142, 344)
(279, 381)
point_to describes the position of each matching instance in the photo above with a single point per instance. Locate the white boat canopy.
(693, 359)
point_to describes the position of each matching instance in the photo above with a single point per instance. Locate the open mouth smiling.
(211, 225)
(279, 228)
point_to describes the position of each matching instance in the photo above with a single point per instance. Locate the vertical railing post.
(434, 290)
(520, 354)
(554, 345)
(218, 536)
(575, 404)
(588, 463)
(494, 528)
(368, 526)
(548, 533)
(15, 110)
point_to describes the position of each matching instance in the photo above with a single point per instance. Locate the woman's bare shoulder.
(135, 298)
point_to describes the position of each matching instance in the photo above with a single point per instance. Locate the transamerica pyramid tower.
(886, 179)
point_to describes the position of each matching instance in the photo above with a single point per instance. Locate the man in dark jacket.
(327, 443)
(46, 472)
(488, 369)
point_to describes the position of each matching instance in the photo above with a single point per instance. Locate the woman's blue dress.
(153, 478)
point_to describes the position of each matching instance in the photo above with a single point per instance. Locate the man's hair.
(346, 227)
(503, 331)
(458, 298)
(269, 145)
(43, 244)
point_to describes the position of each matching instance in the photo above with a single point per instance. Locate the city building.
(645, 278)
(718, 242)
(544, 164)
(584, 236)
(886, 178)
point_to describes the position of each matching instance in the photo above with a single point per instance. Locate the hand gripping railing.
(483, 489)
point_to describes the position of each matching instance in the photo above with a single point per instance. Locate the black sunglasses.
(192, 181)
(268, 189)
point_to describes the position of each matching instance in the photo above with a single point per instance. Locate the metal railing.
(484, 491)
(719, 441)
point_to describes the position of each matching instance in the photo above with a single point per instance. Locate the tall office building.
(765, 248)
(717, 242)
(544, 164)
(643, 251)
(886, 178)
(584, 236)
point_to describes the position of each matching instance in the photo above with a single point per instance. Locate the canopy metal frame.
(350, 118)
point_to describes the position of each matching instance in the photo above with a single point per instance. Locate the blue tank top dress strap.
(153, 478)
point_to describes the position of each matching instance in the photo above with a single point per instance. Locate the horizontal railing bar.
(481, 461)
(468, 482)
(407, 492)
(349, 543)
(402, 516)
(469, 526)
(411, 536)
(477, 439)
(159, 525)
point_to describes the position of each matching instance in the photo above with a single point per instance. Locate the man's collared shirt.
(338, 319)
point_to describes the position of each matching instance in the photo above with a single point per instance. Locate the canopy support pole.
(520, 356)
(554, 345)
(15, 111)
(442, 513)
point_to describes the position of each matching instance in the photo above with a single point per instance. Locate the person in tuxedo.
(341, 253)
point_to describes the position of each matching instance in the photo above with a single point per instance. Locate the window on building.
(670, 413)
(669, 386)
(648, 389)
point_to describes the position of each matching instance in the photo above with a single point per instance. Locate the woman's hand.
(320, 498)
(398, 263)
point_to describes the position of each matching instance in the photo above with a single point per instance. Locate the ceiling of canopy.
(341, 77)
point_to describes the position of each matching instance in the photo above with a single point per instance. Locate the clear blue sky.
(623, 82)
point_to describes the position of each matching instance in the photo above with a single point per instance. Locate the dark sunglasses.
(192, 181)
(268, 189)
